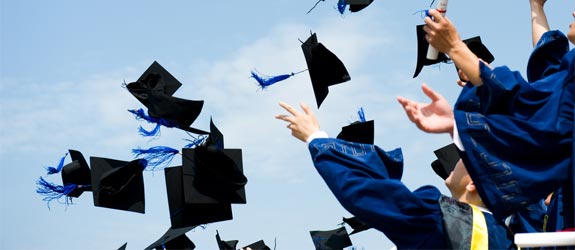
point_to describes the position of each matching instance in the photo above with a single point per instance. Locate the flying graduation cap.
(118, 184)
(324, 68)
(174, 239)
(474, 44)
(76, 178)
(183, 214)
(258, 245)
(332, 239)
(212, 173)
(447, 158)
(225, 245)
(356, 224)
(155, 89)
(361, 131)
(354, 5)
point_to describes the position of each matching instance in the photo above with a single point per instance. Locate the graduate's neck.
(471, 198)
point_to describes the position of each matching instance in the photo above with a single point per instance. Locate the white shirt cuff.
(456, 138)
(315, 135)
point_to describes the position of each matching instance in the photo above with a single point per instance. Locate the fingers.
(285, 118)
(289, 108)
(434, 96)
(305, 108)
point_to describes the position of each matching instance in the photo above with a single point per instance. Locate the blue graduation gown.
(518, 135)
(366, 181)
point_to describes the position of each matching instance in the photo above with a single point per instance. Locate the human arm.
(442, 35)
(539, 24)
(433, 117)
(359, 177)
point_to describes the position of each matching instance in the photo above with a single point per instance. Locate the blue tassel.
(341, 4)
(361, 115)
(52, 191)
(141, 115)
(196, 142)
(265, 81)
(156, 156)
(55, 170)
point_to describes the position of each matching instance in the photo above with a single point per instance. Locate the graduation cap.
(225, 245)
(123, 247)
(361, 131)
(76, 178)
(157, 80)
(356, 224)
(447, 158)
(332, 239)
(354, 5)
(77, 173)
(324, 68)
(258, 245)
(174, 239)
(155, 89)
(118, 184)
(474, 44)
(357, 5)
(183, 214)
(212, 173)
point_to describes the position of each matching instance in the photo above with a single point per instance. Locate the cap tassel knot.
(341, 5)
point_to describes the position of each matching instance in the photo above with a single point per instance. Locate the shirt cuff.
(315, 135)
(456, 138)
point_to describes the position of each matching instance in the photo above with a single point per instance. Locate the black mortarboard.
(258, 245)
(474, 44)
(118, 184)
(422, 46)
(123, 247)
(225, 245)
(325, 69)
(356, 224)
(184, 214)
(447, 158)
(360, 132)
(213, 174)
(155, 80)
(155, 89)
(333, 239)
(357, 5)
(78, 173)
(174, 239)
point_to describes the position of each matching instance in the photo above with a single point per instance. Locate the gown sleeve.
(365, 180)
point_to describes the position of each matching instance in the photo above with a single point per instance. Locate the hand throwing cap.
(118, 184)
(474, 44)
(324, 68)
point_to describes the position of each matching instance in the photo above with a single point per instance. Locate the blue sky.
(63, 64)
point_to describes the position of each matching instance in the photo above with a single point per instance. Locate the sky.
(63, 64)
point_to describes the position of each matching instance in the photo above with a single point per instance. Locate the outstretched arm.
(539, 23)
(443, 36)
(302, 125)
(433, 117)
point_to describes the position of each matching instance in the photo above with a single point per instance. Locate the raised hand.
(434, 117)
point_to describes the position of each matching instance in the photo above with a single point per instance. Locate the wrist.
(315, 135)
